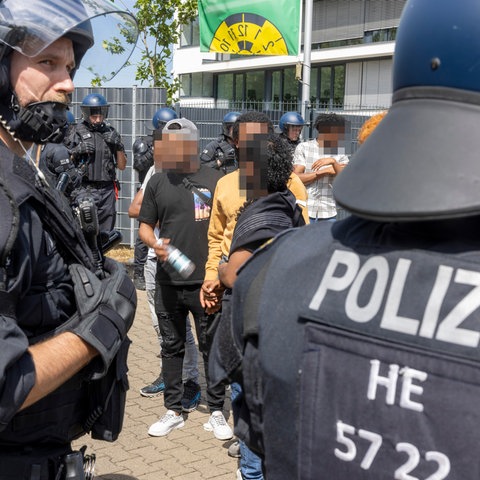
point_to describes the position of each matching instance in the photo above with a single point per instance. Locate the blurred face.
(253, 163)
(176, 152)
(293, 132)
(331, 138)
(45, 77)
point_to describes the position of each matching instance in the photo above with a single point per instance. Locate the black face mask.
(39, 122)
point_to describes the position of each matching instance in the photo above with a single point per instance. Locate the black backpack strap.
(189, 186)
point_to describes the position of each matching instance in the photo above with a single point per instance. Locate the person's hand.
(211, 295)
(322, 162)
(160, 248)
(113, 140)
(82, 150)
(105, 309)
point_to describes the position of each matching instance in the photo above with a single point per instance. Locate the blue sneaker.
(191, 396)
(154, 389)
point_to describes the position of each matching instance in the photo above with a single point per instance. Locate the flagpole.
(307, 53)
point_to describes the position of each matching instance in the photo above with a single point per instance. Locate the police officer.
(61, 326)
(56, 164)
(220, 153)
(143, 146)
(291, 125)
(142, 161)
(99, 146)
(372, 369)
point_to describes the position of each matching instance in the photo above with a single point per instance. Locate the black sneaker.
(191, 396)
(154, 389)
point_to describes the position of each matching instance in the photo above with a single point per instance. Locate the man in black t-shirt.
(179, 199)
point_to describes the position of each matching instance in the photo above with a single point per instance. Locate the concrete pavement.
(190, 453)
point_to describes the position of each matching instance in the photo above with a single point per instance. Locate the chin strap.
(41, 122)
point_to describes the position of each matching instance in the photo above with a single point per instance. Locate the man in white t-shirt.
(317, 163)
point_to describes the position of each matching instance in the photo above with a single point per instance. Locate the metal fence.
(132, 109)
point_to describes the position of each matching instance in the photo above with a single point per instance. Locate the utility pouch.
(107, 397)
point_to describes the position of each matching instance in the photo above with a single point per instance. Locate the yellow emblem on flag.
(248, 34)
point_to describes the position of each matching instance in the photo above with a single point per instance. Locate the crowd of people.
(349, 347)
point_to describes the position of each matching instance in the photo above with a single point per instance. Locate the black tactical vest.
(62, 415)
(101, 167)
(361, 357)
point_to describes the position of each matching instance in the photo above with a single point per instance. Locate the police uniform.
(99, 181)
(37, 298)
(220, 154)
(56, 164)
(142, 156)
(377, 351)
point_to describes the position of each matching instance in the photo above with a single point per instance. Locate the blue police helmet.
(162, 116)
(94, 104)
(290, 118)
(70, 117)
(424, 154)
(228, 120)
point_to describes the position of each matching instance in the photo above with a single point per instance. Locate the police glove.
(83, 150)
(113, 140)
(106, 309)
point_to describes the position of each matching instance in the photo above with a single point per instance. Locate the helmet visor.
(29, 27)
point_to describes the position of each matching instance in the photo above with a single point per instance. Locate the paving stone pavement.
(189, 453)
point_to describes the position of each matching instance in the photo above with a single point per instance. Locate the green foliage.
(160, 23)
(159, 29)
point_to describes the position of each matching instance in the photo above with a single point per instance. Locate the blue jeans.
(250, 463)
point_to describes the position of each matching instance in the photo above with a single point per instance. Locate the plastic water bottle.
(179, 261)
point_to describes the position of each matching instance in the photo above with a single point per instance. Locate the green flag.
(249, 27)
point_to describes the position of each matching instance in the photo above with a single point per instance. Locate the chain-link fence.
(132, 109)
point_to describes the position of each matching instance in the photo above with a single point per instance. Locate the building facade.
(351, 61)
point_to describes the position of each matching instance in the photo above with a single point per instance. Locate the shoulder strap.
(9, 225)
(189, 186)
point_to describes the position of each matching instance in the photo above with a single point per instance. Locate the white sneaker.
(166, 424)
(239, 475)
(218, 425)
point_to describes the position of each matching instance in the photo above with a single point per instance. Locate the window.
(196, 85)
(327, 86)
(190, 35)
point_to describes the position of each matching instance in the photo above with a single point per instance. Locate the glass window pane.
(207, 84)
(195, 38)
(339, 86)
(225, 86)
(276, 88)
(185, 87)
(239, 80)
(325, 81)
(196, 85)
(255, 84)
(290, 90)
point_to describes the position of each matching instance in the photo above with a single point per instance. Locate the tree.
(160, 23)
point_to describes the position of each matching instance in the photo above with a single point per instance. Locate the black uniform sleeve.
(208, 156)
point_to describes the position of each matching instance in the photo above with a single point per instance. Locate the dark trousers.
(172, 305)
(140, 252)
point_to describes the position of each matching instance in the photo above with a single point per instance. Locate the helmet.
(424, 152)
(162, 116)
(70, 117)
(94, 104)
(29, 28)
(228, 120)
(290, 118)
